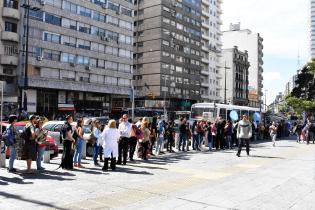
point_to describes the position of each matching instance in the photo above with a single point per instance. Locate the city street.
(280, 177)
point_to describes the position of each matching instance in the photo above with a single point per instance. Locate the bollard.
(2, 155)
(84, 150)
(47, 156)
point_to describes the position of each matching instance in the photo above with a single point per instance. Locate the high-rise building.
(167, 53)
(245, 39)
(211, 50)
(312, 28)
(80, 56)
(9, 52)
(235, 78)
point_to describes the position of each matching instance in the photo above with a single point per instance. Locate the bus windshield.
(198, 112)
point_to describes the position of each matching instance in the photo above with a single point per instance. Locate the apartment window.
(112, 20)
(112, 35)
(38, 14)
(124, 53)
(101, 63)
(126, 11)
(50, 37)
(85, 28)
(55, 3)
(67, 23)
(166, 20)
(67, 57)
(111, 65)
(98, 16)
(125, 24)
(123, 82)
(112, 6)
(85, 12)
(124, 68)
(68, 6)
(93, 62)
(11, 27)
(100, 2)
(83, 44)
(83, 60)
(52, 19)
(35, 33)
(51, 55)
(111, 80)
(11, 4)
(69, 41)
(164, 42)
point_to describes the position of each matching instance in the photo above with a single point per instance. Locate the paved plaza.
(280, 177)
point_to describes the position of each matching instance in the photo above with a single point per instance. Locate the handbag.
(92, 139)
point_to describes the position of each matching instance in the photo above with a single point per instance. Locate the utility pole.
(165, 112)
(225, 68)
(266, 100)
(133, 100)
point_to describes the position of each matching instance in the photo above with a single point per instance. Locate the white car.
(54, 130)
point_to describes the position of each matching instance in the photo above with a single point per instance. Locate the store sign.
(62, 97)
(66, 107)
(155, 104)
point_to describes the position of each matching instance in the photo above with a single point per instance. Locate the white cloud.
(282, 23)
(272, 76)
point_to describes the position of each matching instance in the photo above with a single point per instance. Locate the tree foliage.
(300, 105)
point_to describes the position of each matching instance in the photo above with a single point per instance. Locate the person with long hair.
(133, 141)
(109, 141)
(79, 144)
(96, 133)
(68, 141)
(41, 143)
(144, 142)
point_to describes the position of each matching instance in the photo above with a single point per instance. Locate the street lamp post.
(225, 68)
(133, 100)
(266, 100)
(27, 8)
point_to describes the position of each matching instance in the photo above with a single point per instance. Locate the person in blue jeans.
(182, 135)
(41, 144)
(195, 135)
(209, 135)
(79, 144)
(11, 136)
(97, 132)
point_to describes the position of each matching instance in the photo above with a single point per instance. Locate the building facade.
(312, 28)
(211, 50)
(235, 78)
(80, 56)
(9, 53)
(253, 43)
(167, 53)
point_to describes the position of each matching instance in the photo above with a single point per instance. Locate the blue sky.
(284, 26)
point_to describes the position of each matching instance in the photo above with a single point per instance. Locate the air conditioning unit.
(72, 64)
(42, 2)
(87, 68)
(39, 58)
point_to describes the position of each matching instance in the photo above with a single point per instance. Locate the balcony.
(205, 2)
(205, 60)
(9, 89)
(204, 72)
(9, 36)
(205, 84)
(9, 60)
(10, 13)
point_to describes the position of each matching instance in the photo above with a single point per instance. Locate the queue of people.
(121, 142)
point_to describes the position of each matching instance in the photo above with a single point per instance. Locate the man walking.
(244, 133)
(124, 130)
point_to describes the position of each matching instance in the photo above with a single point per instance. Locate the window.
(123, 82)
(51, 55)
(55, 3)
(111, 65)
(85, 12)
(111, 80)
(124, 53)
(85, 28)
(35, 33)
(52, 19)
(98, 16)
(112, 6)
(69, 41)
(71, 24)
(124, 68)
(101, 63)
(50, 37)
(11, 27)
(37, 14)
(164, 42)
(125, 24)
(83, 60)
(126, 11)
(68, 6)
(83, 44)
(112, 20)
(68, 58)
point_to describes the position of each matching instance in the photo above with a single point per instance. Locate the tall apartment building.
(253, 43)
(80, 56)
(312, 28)
(235, 79)
(9, 52)
(211, 50)
(167, 53)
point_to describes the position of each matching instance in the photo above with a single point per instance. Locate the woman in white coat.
(109, 141)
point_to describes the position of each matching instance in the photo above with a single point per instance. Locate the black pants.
(240, 145)
(218, 141)
(123, 145)
(170, 143)
(144, 149)
(67, 155)
(133, 145)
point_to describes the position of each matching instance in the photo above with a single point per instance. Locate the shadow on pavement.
(131, 171)
(13, 180)
(268, 157)
(21, 198)
(146, 166)
(49, 175)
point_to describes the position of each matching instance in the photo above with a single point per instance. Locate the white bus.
(211, 111)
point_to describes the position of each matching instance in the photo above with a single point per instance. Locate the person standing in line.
(244, 133)
(182, 135)
(170, 136)
(132, 141)
(309, 130)
(96, 132)
(124, 129)
(153, 137)
(41, 144)
(79, 144)
(195, 135)
(108, 140)
(68, 141)
(30, 143)
(209, 135)
(273, 133)
(214, 134)
(160, 133)
(189, 136)
(11, 140)
(144, 142)
(228, 129)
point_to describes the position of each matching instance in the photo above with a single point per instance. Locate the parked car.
(52, 146)
(103, 120)
(54, 129)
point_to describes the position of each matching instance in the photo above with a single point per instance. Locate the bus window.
(223, 113)
(251, 115)
(228, 114)
(196, 113)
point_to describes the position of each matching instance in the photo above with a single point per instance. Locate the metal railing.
(11, 50)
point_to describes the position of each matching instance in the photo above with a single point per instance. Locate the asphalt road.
(280, 177)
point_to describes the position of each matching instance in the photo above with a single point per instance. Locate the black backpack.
(26, 134)
(312, 128)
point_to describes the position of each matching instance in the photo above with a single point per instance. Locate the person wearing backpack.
(9, 137)
(30, 142)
